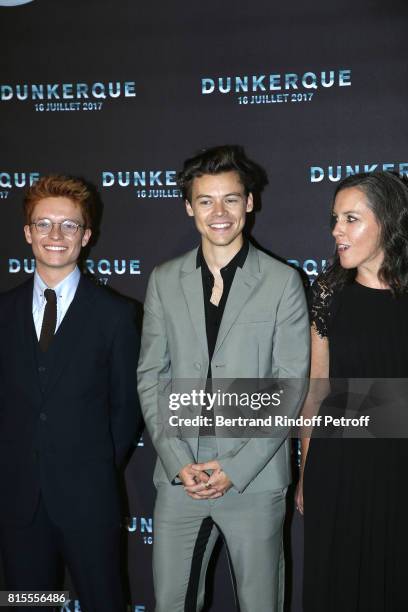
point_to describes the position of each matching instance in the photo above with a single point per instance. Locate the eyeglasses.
(68, 227)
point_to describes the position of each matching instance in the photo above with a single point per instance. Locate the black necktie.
(49, 320)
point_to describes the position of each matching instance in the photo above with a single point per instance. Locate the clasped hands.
(198, 484)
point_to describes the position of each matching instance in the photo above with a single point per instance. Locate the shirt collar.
(65, 289)
(237, 261)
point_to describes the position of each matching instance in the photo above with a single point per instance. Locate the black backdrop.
(122, 92)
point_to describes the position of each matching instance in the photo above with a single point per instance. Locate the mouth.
(341, 247)
(220, 226)
(55, 248)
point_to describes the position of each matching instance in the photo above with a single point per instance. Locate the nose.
(219, 207)
(56, 233)
(338, 229)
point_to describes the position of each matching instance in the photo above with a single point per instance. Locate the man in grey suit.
(224, 310)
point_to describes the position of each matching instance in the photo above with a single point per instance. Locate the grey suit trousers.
(186, 531)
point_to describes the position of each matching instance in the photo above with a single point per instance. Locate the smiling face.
(357, 232)
(219, 206)
(56, 255)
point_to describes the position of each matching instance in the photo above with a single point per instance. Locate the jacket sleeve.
(155, 366)
(125, 415)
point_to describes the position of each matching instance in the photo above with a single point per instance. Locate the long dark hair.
(387, 197)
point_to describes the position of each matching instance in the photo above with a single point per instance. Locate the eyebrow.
(75, 220)
(347, 212)
(234, 193)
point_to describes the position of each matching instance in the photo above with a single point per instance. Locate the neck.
(369, 278)
(53, 276)
(218, 257)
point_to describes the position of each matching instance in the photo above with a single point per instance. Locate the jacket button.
(41, 369)
(43, 416)
(197, 365)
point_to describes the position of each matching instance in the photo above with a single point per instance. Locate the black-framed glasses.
(68, 227)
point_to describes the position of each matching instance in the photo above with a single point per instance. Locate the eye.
(43, 224)
(205, 202)
(351, 219)
(69, 225)
(231, 200)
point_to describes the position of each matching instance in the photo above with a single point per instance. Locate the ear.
(250, 203)
(27, 233)
(86, 237)
(189, 208)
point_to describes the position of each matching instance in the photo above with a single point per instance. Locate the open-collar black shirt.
(214, 314)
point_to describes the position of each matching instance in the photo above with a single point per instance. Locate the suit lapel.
(70, 332)
(28, 337)
(191, 283)
(243, 285)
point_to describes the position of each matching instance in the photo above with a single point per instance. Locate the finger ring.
(208, 486)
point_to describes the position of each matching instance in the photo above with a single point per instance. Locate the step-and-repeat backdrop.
(122, 92)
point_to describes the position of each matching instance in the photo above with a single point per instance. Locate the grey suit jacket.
(264, 333)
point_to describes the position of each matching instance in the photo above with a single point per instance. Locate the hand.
(299, 496)
(190, 477)
(216, 485)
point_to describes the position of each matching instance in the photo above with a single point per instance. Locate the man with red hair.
(68, 409)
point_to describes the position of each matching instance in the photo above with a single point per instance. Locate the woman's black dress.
(356, 491)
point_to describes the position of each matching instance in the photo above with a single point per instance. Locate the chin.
(347, 264)
(225, 240)
(220, 242)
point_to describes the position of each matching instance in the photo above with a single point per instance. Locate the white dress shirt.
(65, 292)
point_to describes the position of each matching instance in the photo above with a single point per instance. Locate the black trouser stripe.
(231, 569)
(203, 536)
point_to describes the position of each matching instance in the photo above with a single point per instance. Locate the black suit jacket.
(66, 441)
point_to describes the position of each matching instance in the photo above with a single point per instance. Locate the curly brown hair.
(224, 158)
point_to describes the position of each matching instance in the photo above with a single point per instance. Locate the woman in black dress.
(354, 492)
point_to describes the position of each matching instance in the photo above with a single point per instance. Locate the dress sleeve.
(320, 306)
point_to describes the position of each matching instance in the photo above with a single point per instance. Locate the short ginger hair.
(54, 186)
